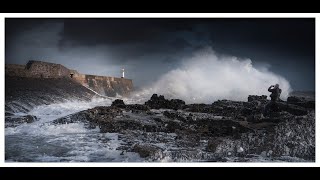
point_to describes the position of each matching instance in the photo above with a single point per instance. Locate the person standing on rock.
(275, 92)
(275, 97)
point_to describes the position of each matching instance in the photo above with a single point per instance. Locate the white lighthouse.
(122, 73)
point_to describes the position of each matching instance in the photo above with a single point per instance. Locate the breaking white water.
(207, 77)
(42, 141)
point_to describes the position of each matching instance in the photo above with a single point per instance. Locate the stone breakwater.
(104, 85)
(163, 129)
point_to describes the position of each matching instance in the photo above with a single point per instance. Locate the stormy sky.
(150, 48)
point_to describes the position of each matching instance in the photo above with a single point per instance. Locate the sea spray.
(206, 77)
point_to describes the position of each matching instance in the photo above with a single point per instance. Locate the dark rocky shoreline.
(164, 128)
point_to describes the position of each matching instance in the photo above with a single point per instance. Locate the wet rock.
(295, 99)
(81, 116)
(176, 104)
(257, 98)
(301, 101)
(254, 119)
(186, 139)
(9, 114)
(293, 136)
(293, 109)
(174, 115)
(158, 102)
(227, 108)
(172, 126)
(218, 108)
(273, 117)
(137, 107)
(203, 132)
(213, 144)
(117, 126)
(30, 118)
(13, 121)
(202, 108)
(118, 103)
(246, 112)
(220, 128)
(146, 150)
(158, 119)
(95, 115)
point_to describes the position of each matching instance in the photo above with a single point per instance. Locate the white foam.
(207, 77)
(47, 113)
(82, 144)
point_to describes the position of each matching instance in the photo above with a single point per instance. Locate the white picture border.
(149, 15)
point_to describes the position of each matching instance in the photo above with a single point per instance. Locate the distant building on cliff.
(104, 85)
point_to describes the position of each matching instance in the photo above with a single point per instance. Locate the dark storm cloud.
(148, 48)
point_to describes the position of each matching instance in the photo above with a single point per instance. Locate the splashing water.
(42, 141)
(207, 77)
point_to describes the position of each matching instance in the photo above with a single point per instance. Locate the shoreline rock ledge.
(222, 131)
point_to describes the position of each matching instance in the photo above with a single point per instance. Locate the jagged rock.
(95, 115)
(257, 98)
(30, 118)
(9, 114)
(246, 112)
(255, 118)
(220, 128)
(158, 119)
(186, 138)
(301, 101)
(174, 115)
(294, 136)
(156, 102)
(137, 108)
(295, 99)
(293, 109)
(116, 126)
(219, 108)
(206, 131)
(118, 103)
(16, 121)
(176, 104)
(203, 108)
(172, 126)
(213, 144)
(146, 150)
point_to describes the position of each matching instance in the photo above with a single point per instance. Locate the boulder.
(146, 150)
(159, 102)
(118, 103)
(16, 121)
